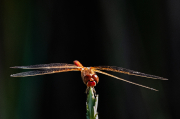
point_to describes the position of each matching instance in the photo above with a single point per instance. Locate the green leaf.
(91, 104)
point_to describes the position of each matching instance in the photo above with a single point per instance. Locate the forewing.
(43, 71)
(47, 66)
(128, 71)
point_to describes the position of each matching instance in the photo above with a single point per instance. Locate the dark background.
(141, 35)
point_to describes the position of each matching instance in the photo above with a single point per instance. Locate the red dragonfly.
(88, 74)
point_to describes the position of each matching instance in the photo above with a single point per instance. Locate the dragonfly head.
(89, 76)
(91, 80)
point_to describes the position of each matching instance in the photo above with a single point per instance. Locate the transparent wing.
(124, 80)
(47, 66)
(43, 71)
(128, 71)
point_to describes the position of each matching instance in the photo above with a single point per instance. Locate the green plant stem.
(91, 104)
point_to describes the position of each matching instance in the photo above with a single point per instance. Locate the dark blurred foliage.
(141, 35)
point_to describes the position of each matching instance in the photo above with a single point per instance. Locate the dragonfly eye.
(87, 78)
(95, 77)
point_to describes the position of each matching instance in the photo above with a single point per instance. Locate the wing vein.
(124, 80)
(47, 66)
(128, 71)
(42, 72)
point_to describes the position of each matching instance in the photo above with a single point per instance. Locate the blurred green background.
(141, 35)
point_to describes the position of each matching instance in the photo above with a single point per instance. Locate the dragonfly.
(88, 74)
